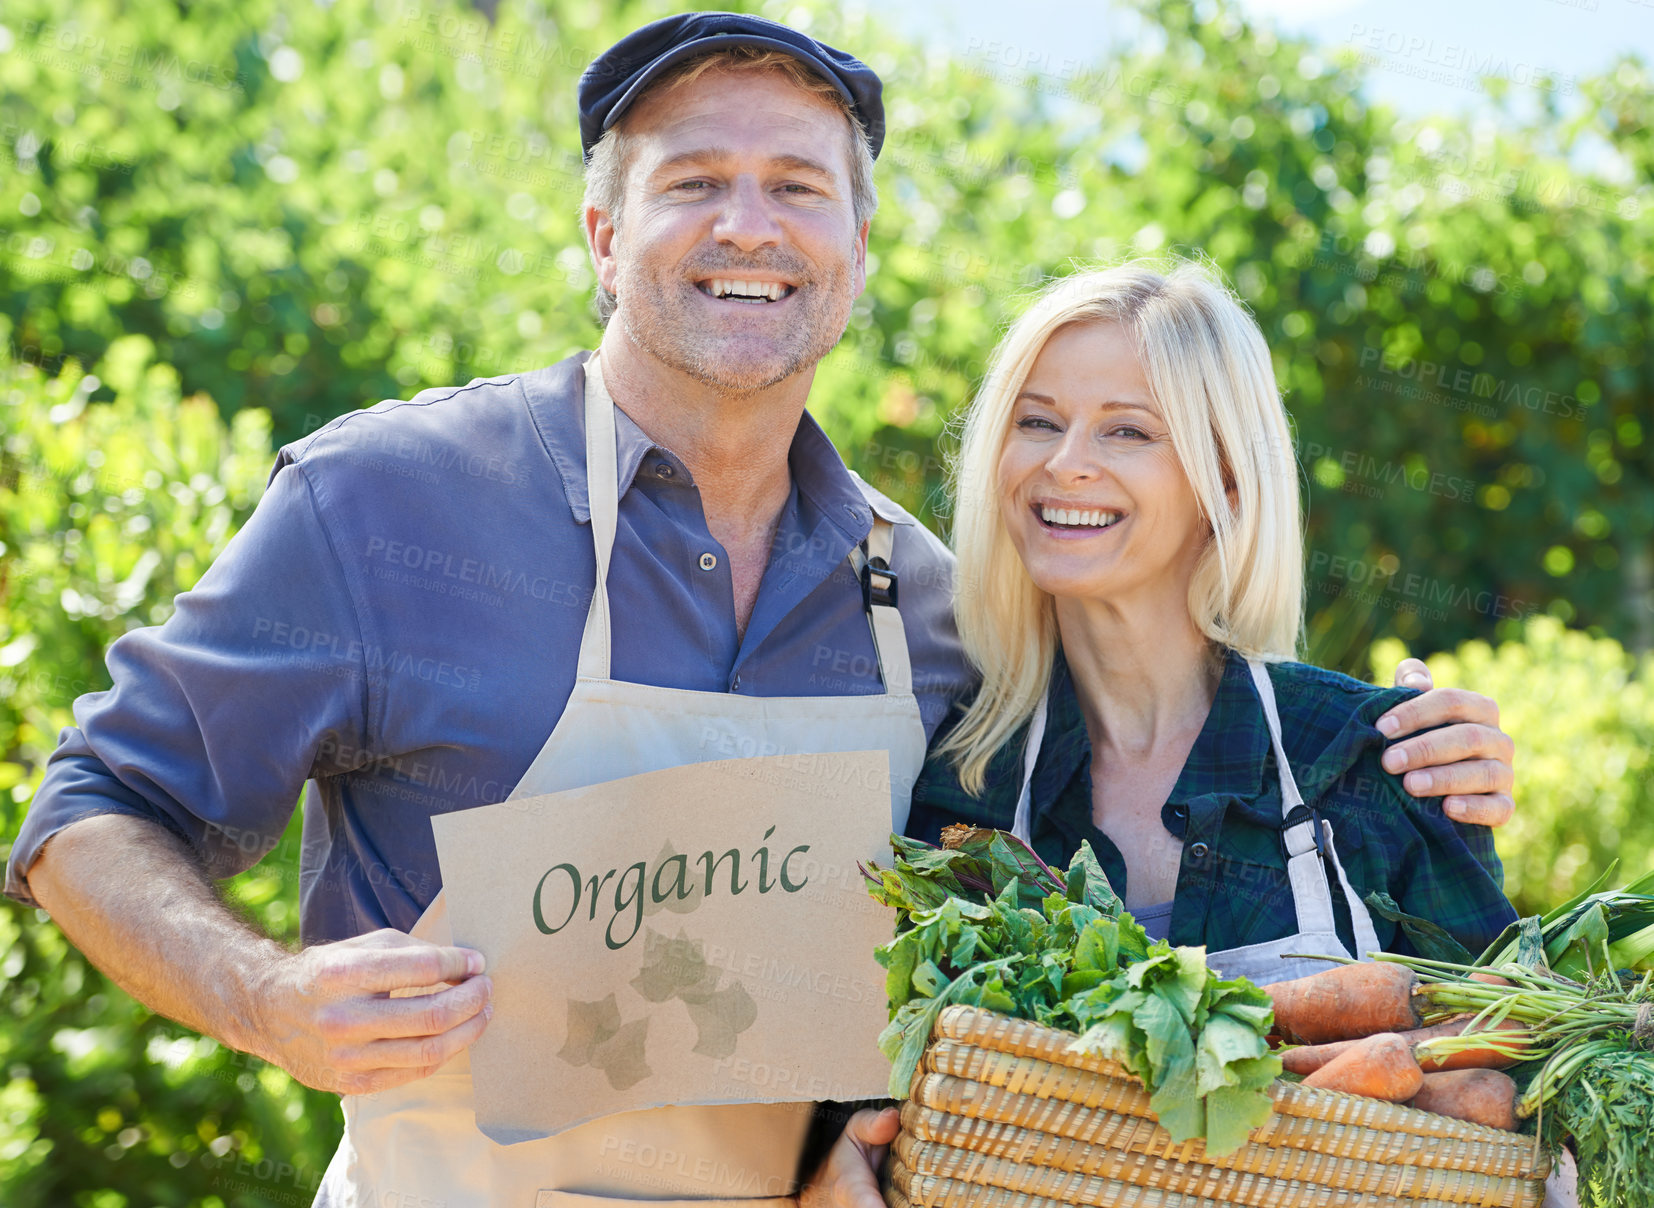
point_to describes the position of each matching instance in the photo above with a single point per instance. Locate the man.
(406, 642)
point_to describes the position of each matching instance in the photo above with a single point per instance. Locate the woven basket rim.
(1043, 1042)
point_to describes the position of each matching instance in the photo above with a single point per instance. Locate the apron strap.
(1022, 824)
(1366, 936)
(872, 567)
(603, 498)
(1305, 834)
(1291, 798)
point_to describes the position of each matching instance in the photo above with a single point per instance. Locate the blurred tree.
(310, 208)
(108, 510)
(1582, 713)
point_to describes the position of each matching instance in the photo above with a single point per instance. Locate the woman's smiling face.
(1090, 488)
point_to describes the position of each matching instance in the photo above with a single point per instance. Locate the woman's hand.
(1467, 762)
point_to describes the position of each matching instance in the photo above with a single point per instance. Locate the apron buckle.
(1299, 815)
(878, 593)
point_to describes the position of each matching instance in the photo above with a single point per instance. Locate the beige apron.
(418, 1146)
(1311, 892)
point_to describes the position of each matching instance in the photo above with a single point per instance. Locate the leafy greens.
(983, 921)
(1580, 980)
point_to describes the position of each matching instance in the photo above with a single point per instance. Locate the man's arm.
(186, 771)
(130, 895)
(1467, 762)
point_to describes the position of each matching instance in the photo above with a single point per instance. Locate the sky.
(1425, 56)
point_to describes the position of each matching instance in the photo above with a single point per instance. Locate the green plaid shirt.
(1232, 888)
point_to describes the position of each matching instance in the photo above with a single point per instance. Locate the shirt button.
(1180, 812)
(735, 684)
(663, 470)
(1200, 851)
(709, 561)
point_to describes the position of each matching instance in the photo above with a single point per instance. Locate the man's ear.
(600, 239)
(861, 257)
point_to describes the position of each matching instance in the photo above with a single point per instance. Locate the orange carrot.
(1345, 1002)
(1311, 1058)
(1308, 1059)
(1380, 1067)
(1479, 1096)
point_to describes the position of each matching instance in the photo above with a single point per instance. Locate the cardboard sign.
(695, 935)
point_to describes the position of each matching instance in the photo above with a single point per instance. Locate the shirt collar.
(556, 398)
(1231, 754)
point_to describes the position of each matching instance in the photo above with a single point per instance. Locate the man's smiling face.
(737, 257)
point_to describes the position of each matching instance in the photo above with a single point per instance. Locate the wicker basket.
(1001, 1115)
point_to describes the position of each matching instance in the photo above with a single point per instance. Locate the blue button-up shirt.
(399, 623)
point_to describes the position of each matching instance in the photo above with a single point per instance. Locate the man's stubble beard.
(659, 325)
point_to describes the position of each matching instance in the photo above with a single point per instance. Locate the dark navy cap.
(618, 75)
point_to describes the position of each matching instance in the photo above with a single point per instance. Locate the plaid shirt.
(1232, 888)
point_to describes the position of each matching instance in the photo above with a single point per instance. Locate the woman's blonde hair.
(1209, 369)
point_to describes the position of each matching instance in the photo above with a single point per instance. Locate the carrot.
(1380, 1067)
(1479, 1096)
(1308, 1059)
(1345, 1002)
(1311, 1058)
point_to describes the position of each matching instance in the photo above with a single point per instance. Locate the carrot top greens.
(1579, 981)
(986, 922)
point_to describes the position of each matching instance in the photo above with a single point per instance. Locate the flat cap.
(617, 76)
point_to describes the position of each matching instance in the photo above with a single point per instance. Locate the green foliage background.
(244, 218)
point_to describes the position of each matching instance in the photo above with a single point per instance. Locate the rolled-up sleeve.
(216, 718)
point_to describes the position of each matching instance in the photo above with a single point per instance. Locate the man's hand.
(1467, 763)
(131, 896)
(849, 1176)
(326, 1015)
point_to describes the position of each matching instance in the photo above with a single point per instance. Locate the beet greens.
(984, 921)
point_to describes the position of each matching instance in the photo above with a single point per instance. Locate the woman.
(1129, 541)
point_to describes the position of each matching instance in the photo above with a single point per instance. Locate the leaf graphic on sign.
(720, 1017)
(590, 1025)
(672, 967)
(672, 887)
(621, 1057)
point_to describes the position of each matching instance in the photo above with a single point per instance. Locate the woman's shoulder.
(1335, 690)
(940, 798)
(1328, 722)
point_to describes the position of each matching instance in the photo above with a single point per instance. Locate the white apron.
(418, 1146)
(1311, 892)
